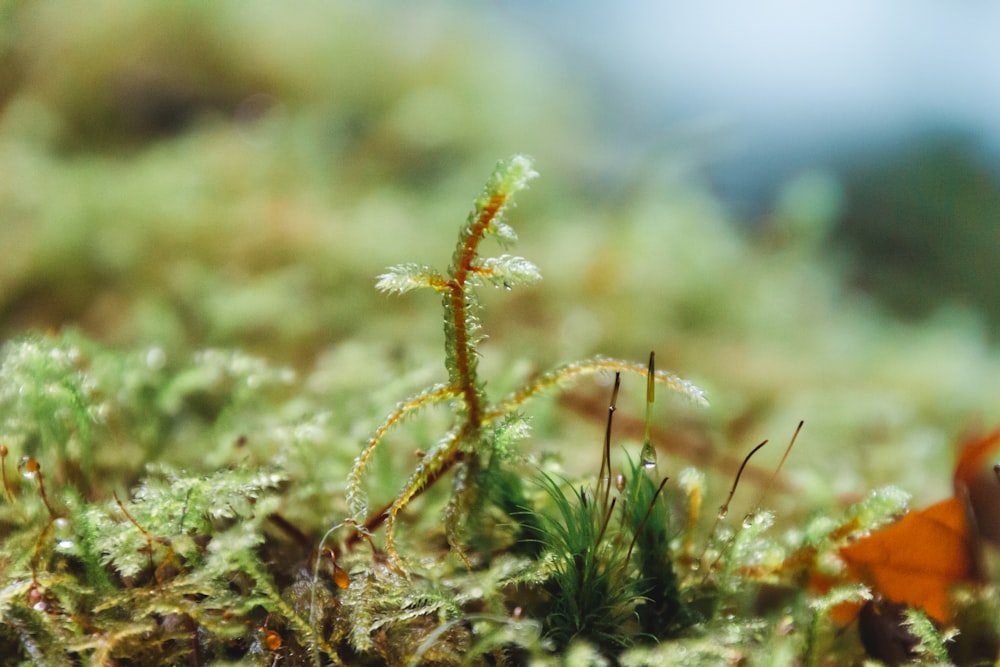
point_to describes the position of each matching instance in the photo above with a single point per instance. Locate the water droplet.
(63, 530)
(748, 520)
(648, 456)
(28, 467)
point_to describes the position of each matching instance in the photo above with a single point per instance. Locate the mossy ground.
(194, 203)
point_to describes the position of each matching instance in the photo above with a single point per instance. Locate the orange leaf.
(918, 559)
(973, 457)
(976, 482)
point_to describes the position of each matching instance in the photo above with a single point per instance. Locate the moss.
(204, 566)
(189, 326)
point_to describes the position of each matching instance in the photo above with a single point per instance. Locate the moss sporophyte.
(469, 445)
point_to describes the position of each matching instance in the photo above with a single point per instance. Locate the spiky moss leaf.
(357, 499)
(511, 176)
(931, 647)
(471, 328)
(508, 178)
(880, 507)
(402, 278)
(507, 271)
(503, 233)
(848, 593)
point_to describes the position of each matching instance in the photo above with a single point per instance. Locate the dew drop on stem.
(28, 467)
(648, 456)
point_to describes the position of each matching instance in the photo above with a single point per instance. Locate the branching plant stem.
(466, 443)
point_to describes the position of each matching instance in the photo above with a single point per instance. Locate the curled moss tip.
(514, 174)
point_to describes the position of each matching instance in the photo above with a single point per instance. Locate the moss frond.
(932, 642)
(405, 277)
(563, 375)
(357, 502)
(507, 270)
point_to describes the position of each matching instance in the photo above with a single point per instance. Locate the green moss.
(188, 324)
(202, 563)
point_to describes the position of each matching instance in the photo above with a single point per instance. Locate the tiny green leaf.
(510, 176)
(503, 232)
(405, 277)
(508, 270)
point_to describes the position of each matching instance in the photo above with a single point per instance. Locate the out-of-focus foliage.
(923, 225)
